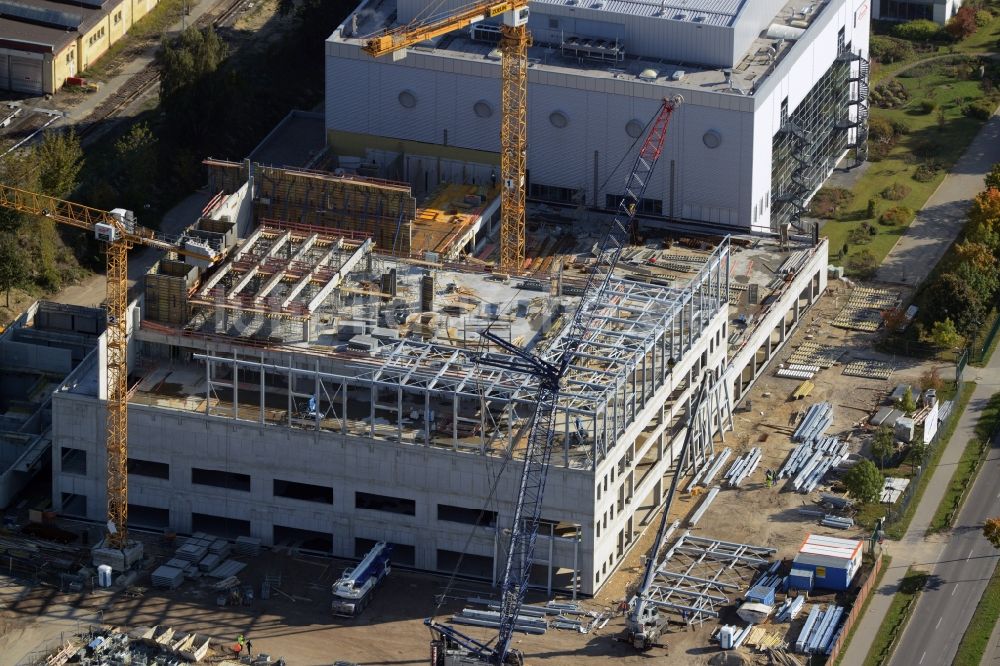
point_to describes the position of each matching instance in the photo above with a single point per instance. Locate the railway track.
(222, 15)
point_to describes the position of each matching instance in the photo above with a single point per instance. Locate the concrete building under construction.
(318, 386)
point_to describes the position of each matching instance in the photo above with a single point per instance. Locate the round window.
(558, 119)
(483, 109)
(633, 128)
(407, 99)
(712, 139)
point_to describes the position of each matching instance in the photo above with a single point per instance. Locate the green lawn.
(895, 619)
(928, 139)
(977, 635)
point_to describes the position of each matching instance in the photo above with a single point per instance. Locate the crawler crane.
(514, 42)
(449, 646)
(119, 231)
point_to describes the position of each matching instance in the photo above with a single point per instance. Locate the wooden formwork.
(384, 210)
(166, 287)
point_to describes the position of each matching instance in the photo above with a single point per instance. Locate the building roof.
(827, 551)
(711, 12)
(47, 22)
(31, 37)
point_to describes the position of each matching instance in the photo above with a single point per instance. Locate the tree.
(135, 156)
(931, 379)
(944, 334)
(918, 451)
(60, 159)
(907, 403)
(13, 266)
(984, 219)
(884, 444)
(991, 530)
(951, 297)
(864, 481)
(963, 23)
(993, 177)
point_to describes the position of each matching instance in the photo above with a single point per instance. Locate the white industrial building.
(775, 95)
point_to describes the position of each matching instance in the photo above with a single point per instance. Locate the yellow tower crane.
(514, 42)
(118, 229)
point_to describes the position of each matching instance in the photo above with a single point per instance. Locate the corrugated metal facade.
(429, 94)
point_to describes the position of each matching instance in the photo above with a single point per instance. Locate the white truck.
(354, 590)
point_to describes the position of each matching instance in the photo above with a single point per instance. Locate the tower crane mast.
(450, 646)
(514, 42)
(119, 231)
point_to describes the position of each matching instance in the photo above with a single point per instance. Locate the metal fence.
(979, 351)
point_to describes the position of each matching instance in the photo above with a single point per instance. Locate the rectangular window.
(373, 502)
(74, 505)
(820, 572)
(148, 516)
(156, 470)
(293, 537)
(401, 554)
(74, 461)
(220, 479)
(646, 206)
(478, 566)
(458, 514)
(565, 195)
(306, 492)
(553, 23)
(220, 526)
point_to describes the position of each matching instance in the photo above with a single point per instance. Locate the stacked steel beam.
(742, 468)
(816, 421)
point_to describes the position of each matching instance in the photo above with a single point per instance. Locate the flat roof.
(828, 547)
(715, 12)
(747, 73)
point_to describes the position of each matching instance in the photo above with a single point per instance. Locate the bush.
(983, 18)
(926, 172)
(895, 192)
(890, 49)
(962, 24)
(981, 109)
(896, 215)
(862, 263)
(918, 31)
(890, 95)
(829, 201)
(927, 106)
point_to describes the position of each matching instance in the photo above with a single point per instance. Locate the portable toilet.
(833, 562)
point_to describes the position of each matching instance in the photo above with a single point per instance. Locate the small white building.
(775, 94)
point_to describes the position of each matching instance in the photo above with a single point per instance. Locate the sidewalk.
(924, 243)
(941, 219)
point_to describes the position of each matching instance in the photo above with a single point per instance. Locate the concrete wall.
(35, 357)
(347, 464)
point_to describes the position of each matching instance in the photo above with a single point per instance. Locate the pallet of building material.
(837, 522)
(167, 577)
(868, 369)
(811, 353)
(227, 569)
(248, 546)
(209, 562)
(892, 488)
(191, 552)
(787, 373)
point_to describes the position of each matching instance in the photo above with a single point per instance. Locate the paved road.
(957, 580)
(941, 219)
(916, 250)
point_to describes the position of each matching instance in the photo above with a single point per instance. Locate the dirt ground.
(300, 628)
